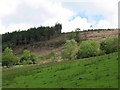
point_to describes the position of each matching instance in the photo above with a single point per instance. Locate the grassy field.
(94, 72)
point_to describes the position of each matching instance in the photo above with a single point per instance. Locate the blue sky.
(96, 18)
(24, 14)
(83, 10)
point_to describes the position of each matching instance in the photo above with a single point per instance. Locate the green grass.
(94, 72)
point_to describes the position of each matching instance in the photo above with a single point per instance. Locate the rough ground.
(45, 47)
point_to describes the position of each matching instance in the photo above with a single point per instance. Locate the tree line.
(89, 48)
(31, 35)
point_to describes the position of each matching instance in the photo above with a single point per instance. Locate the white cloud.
(103, 24)
(52, 11)
(2, 28)
(7, 7)
(13, 27)
(109, 8)
(22, 26)
(78, 22)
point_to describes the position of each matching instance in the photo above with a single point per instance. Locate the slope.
(94, 72)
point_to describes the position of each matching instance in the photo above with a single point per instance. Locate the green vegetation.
(31, 35)
(89, 49)
(94, 72)
(38, 34)
(75, 35)
(28, 58)
(109, 45)
(79, 63)
(70, 50)
(8, 58)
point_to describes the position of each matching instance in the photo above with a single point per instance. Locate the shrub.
(28, 58)
(109, 45)
(89, 49)
(33, 58)
(70, 50)
(25, 56)
(8, 58)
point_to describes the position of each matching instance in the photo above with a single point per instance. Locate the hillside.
(94, 72)
(31, 35)
(45, 47)
(42, 40)
(80, 59)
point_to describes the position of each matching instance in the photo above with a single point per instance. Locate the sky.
(72, 14)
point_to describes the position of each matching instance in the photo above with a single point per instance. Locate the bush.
(89, 49)
(28, 58)
(109, 45)
(25, 56)
(8, 58)
(70, 50)
(33, 58)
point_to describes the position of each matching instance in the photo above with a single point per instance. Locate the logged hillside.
(42, 40)
(95, 72)
(45, 47)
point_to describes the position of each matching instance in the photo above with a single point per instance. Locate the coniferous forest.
(31, 35)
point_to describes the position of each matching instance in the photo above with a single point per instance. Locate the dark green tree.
(31, 35)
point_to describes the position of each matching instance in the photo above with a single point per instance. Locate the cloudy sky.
(72, 14)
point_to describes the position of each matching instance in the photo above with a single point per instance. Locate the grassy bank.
(94, 72)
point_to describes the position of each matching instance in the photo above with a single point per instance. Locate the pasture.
(93, 72)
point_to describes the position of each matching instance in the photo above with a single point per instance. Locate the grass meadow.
(94, 72)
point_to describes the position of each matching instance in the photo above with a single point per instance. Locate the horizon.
(61, 29)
